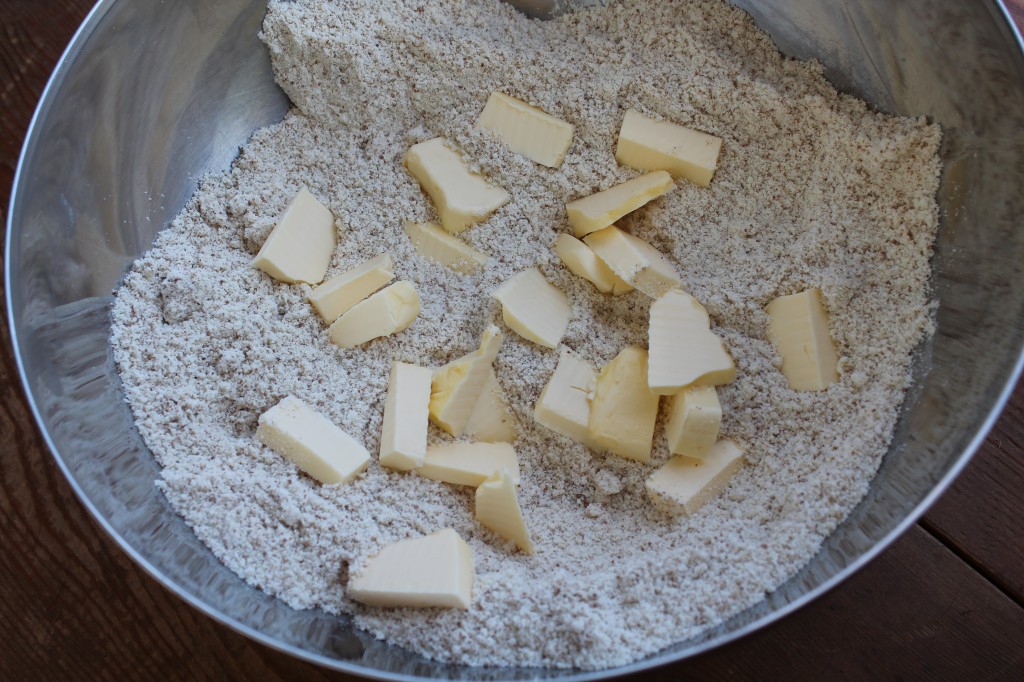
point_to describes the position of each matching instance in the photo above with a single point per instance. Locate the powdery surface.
(813, 190)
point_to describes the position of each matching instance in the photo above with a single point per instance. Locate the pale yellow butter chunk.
(462, 198)
(298, 433)
(684, 485)
(623, 410)
(441, 247)
(526, 129)
(403, 441)
(647, 144)
(799, 330)
(695, 417)
(435, 570)
(564, 404)
(600, 210)
(534, 308)
(300, 246)
(387, 312)
(469, 463)
(491, 420)
(634, 260)
(457, 387)
(337, 295)
(583, 262)
(497, 508)
(683, 348)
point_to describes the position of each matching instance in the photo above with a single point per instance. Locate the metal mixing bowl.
(151, 95)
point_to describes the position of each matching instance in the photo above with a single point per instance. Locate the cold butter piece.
(647, 144)
(526, 129)
(683, 348)
(600, 210)
(799, 330)
(462, 198)
(297, 432)
(337, 295)
(456, 388)
(469, 463)
(403, 441)
(564, 404)
(387, 312)
(497, 508)
(695, 417)
(300, 246)
(441, 247)
(684, 485)
(435, 570)
(490, 420)
(634, 260)
(534, 308)
(623, 411)
(583, 262)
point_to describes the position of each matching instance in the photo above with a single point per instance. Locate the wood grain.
(33, 36)
(982, 513)
(917, 612)
(1016, 8)
(943, 602)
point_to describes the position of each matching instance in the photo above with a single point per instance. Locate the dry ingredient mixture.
(813, 190)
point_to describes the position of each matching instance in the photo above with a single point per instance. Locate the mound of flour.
(813, 189)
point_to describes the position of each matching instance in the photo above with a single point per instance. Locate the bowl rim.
(32, 133)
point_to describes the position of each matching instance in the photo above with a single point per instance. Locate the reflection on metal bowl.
(153, 95)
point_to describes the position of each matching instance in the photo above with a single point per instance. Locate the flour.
(813, 189)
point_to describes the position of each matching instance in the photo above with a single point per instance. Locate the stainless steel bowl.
(151, 95)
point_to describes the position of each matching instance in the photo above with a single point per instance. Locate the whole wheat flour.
(813, 189)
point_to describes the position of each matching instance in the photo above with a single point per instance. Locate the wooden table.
(945, 601)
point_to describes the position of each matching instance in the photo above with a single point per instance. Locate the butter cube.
(695, 417)
(469, 463)
(337, 295)
(564, 404)
(634, 260)
(684, 485)
(647, 144)
(497, 508)
(295, 431)
(600, 210)
(462, 198)
(527, 130)
(437, 245)
(623, 410)
(456, 388)
(684, 350)
(583, 262)
(300, 247)
(491, 420)
(534, 308)
(403, 441)
(387, 312)
(435, 570)
(799, 329)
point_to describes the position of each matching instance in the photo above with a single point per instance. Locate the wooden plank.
(916, 612)
(72, 606)
(32, 38)
(980, 516)
(1016, 8)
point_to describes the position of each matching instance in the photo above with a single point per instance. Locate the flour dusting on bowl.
(813, 190)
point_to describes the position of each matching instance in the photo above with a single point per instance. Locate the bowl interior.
(152, 95)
